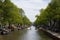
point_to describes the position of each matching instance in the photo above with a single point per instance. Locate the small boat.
(29, 28)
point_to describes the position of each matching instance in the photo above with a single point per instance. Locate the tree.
(50, 17)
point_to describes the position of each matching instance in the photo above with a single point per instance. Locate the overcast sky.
(31, 7)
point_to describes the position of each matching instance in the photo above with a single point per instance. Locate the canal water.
(26, 34)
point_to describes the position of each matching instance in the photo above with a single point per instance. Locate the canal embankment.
(54, 35)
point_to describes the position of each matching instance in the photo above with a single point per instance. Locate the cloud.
(31, 7)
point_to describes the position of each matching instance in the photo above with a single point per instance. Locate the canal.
(26, 34)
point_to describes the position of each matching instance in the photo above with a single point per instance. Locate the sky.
(31, 7)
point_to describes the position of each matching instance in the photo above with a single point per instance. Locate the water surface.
(26, 34)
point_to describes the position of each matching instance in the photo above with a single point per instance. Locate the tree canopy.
(11, 14)
(50, 17)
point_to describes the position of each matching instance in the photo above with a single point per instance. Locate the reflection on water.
(27, 34)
